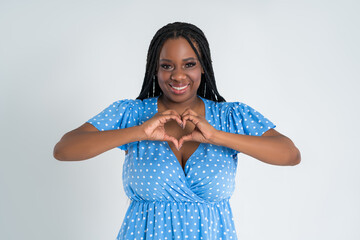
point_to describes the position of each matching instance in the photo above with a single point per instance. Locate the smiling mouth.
(179, 88)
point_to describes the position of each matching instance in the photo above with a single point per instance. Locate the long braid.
(191, 33)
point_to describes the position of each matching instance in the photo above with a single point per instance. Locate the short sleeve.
(243, 119)
(118, 115)
(240, 118)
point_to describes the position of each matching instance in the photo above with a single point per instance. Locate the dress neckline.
(167, 144)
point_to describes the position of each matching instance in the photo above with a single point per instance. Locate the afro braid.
(191, 33)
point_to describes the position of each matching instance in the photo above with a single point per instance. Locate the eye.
(190, 64)
(166, 66)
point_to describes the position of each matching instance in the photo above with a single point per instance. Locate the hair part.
(192, 34)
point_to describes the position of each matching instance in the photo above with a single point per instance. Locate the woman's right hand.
(154, 128)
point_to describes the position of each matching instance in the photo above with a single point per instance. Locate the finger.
(185, 138)
(171, 111)
(183, 124)
(190, 114)
(173, 140)
(176, 143)
(165, 118)
(194, 119)
(189, 111)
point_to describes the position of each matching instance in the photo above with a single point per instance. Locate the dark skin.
(180, 120)
(272, 147)
(178, 65)
(172, 128)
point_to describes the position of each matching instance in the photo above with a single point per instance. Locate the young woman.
(181, 140)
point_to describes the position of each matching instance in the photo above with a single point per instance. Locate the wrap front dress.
(167, 201)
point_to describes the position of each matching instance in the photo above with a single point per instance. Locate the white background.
(296, 62)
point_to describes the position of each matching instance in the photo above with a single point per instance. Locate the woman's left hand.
(203, 131)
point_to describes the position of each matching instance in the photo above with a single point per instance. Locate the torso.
(172, 128)
(188, 148)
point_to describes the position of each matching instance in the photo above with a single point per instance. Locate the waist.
(139, 201)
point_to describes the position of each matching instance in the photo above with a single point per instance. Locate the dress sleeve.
(118, 115)
(243, 119)
(240, 118)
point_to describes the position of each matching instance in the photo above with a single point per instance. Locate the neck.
(179, 107)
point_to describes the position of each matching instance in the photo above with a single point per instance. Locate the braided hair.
(191, 33)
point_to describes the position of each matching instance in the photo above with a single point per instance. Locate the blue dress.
(167, 202)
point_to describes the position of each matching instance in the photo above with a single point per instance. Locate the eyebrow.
(186, 59)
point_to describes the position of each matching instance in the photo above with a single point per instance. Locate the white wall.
(296, 62)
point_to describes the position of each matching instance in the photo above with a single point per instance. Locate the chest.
(188, 148)
(151, 171)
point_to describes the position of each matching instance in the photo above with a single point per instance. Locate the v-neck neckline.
(168, 146)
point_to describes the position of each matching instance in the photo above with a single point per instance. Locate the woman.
(181, 140)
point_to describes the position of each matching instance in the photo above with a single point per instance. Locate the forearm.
(276, 150)
(84, 145)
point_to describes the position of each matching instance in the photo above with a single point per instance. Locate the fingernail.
(182, 125)
(180, 147)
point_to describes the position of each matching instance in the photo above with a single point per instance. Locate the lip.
(179, 91)
(178, 85)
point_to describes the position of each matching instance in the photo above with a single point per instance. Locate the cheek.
(163, 76)
(195, 75)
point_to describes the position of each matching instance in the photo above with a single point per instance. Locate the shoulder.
(127, 104)
(232, 110)
(225, 107)
(137, 108)
(121, 107)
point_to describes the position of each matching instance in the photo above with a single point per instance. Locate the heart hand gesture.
(203, 131)
(154, 128)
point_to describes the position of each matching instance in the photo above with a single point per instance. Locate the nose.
(178, 75)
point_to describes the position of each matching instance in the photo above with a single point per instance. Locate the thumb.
(173, 140)
(184, 139)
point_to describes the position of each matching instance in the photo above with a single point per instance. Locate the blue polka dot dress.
(167, 202)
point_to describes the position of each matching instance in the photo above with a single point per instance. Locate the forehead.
(179, 47)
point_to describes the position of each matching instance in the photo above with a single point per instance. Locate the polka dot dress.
(168, 202)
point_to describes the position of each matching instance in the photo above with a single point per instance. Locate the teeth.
(179, 88)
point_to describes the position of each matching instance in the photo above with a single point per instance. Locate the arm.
(86, 142)
(272, 147)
